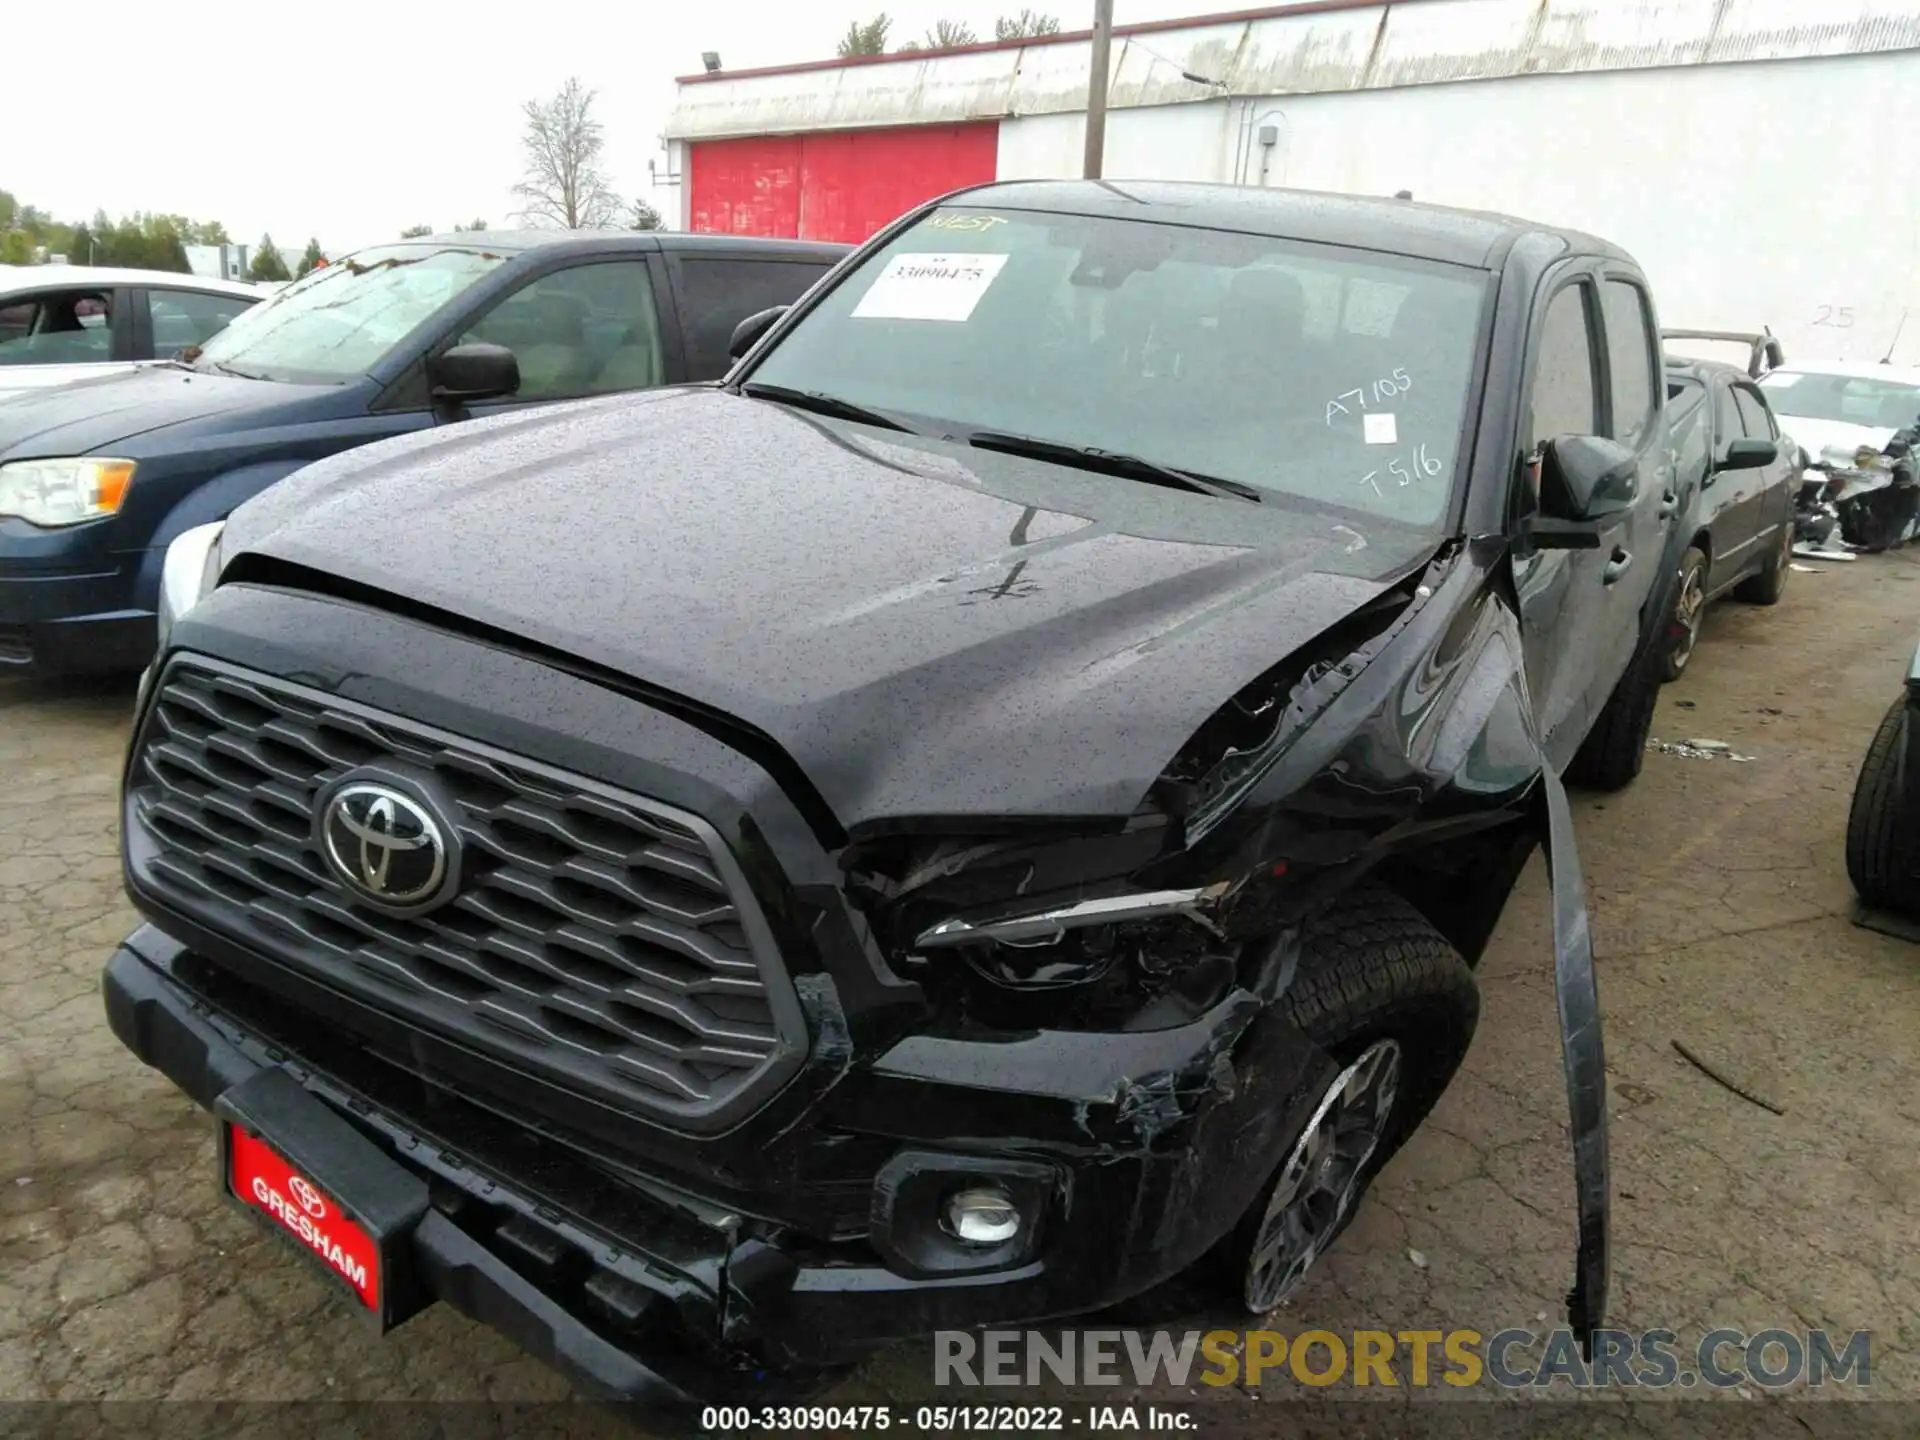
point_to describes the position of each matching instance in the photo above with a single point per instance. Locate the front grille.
(602, 940)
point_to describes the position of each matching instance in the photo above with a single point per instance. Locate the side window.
(719, 293)
(589, 330)
(187, 317)
(15, 320)
(1754, 415)
(1565, 390)
(1726, 418)
(1630, 362)
(1690, 432)
(63, 327)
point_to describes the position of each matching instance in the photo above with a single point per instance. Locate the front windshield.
(1332, 376)
(1850, 399)
(337, 323)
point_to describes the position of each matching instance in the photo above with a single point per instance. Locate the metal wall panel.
(839, 185)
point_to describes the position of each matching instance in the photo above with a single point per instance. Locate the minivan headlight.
(189, 572)
(63, 492)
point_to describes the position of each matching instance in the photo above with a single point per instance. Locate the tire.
(1770, 584)
(1689, 612)
(1883, 832)
(1373, 974)
(1611, 756)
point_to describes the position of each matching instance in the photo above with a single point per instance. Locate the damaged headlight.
(188, 575)
(1050, 926)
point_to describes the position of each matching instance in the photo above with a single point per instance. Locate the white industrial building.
(1757, 156)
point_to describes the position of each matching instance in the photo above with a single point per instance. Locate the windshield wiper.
(823, 405)
(1107, 462)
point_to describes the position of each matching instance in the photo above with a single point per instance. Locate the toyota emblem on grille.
(385, 844)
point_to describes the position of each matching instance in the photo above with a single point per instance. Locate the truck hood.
(929, 630)
(89, 416)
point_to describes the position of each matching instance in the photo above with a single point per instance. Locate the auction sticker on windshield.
(309, 1215)
(929, 287)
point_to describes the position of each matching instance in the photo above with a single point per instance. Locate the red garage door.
(838, 185)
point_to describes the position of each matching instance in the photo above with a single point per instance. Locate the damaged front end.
(1398, 748)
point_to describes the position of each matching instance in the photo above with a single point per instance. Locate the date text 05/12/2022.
(946, 1419)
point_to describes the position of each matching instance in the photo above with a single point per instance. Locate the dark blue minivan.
(96, 478)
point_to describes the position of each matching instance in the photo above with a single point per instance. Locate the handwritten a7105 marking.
(1384, 388)
(1424, 466)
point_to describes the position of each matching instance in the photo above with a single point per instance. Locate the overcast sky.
(351, 122)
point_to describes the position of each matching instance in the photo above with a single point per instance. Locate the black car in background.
(1737, 481)
(98, 477)
(1883, 828)
(994, 805)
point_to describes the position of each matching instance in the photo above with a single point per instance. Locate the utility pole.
(1097, 87)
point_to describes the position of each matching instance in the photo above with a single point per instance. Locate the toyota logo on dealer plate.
(307, 1197)
(386, 845)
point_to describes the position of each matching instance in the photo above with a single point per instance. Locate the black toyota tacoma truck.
(992, 805)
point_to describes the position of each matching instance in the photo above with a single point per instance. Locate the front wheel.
(1395, 1005)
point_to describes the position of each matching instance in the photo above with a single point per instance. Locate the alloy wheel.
(1687, 613)
(1323, 1176)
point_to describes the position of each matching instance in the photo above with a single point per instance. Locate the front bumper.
(65, 608)
(1151, 1145)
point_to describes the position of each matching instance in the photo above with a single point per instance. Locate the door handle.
(1617, 566)
(1669, 505)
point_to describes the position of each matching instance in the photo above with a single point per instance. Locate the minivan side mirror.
(475, 371)
(1749, 455)
(748, 332)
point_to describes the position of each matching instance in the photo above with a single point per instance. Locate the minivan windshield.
(1320, 374)
(1850, 399)
(337, 323)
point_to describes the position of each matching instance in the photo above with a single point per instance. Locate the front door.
(591, 328)
(1557, 588)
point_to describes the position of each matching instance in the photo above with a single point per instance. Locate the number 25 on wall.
(1839, 318)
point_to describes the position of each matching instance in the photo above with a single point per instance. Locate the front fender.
(1585, 1059)
(214, 500)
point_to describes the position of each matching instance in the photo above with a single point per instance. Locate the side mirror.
(1584, 478)
(473, 372)
(1749, 455)
(748, 332)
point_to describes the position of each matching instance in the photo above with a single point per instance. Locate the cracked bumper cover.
(1149, 1144)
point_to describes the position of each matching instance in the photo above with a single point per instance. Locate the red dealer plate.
(311, 1218)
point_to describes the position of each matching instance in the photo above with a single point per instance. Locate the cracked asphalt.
(1719, 904)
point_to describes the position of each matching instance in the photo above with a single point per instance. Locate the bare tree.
(868, 37)
(948, 33)
(1025, 25)
(564, 184)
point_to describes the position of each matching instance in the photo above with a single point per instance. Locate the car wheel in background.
(1689, 610)
(1395, 1005)
(1770, 584)
(1883, 832)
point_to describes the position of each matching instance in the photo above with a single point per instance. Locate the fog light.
(986, 1216)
